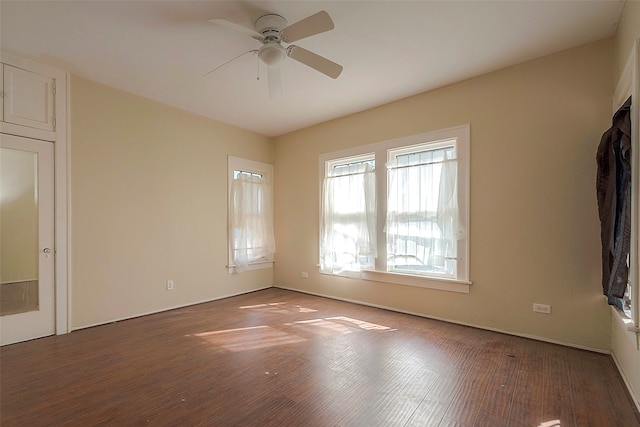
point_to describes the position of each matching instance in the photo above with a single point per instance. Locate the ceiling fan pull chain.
(258, 66)
(253, 51)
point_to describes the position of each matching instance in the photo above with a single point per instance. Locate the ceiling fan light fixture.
(271, 53)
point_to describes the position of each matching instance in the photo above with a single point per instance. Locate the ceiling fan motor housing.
(270, 26)
(271, 52)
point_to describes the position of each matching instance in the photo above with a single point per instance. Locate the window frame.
(359, 158)
(461, 134)
(392, 155)
(255, 168)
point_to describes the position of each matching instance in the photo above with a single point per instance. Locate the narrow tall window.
(348, 223)
(251, 237)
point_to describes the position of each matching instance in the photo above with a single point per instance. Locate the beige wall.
(534, 227)
(624, 344)
(628, 31)
(18, 217)
(148, 204)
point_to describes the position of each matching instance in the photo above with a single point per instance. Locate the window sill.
(452, 285)
(231, 269)
(624, 321)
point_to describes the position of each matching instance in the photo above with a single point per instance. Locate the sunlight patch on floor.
(278, 307)
(343, 325)
(361, 323)
(250, 338)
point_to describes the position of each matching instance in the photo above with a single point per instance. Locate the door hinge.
(54, 88)
(54, 123)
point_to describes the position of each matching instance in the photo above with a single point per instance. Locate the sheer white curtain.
(348, 235)
(449, 220)
(252, 237)
(423, 224)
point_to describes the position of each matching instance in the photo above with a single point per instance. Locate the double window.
(251, 237)
(399, 207)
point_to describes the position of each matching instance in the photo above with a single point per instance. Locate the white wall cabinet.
(28, 100)
(2, 92)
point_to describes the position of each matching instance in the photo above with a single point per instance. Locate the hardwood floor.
(281, 358)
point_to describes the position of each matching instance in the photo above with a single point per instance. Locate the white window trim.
(462, 134)
(629, 85)
(330, 164)
(264, 169)
(635, 194)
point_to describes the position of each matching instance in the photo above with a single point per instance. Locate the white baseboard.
(472, 325)
(626, 382)
(167, 309)
(502, 331)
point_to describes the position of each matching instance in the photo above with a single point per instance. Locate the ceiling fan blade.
(315, 61)
(275, 82)
(309, 26)
(236, 27)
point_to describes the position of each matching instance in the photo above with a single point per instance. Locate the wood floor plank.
(459, 349)
(557, 387)
(465, 407)
(592, 379)
(282, 358)
(526, 409)
(499, 391)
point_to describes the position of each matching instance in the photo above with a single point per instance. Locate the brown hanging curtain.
(613, 186)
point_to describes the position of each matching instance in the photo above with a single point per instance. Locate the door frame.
(60, 138)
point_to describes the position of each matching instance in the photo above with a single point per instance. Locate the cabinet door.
(1, 92)
(28, 98)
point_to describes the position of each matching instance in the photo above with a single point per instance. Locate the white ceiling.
(389, 49)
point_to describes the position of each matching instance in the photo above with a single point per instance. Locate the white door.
(27, 308)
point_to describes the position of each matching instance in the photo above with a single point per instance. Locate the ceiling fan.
(272, 31)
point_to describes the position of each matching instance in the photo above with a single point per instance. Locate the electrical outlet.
(304, 275)
(169, 285)
(542, 308)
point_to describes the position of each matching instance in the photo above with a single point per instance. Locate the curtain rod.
(422, 164)
(395, 167)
